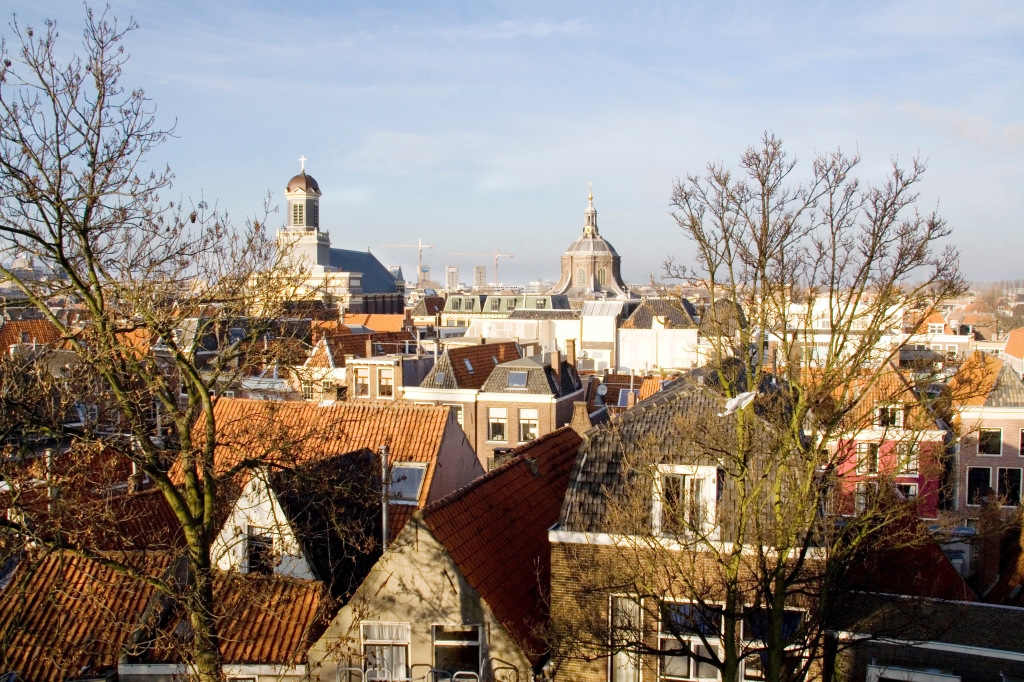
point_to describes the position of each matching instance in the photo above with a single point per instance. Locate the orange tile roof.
(65, 617)
(483, 358)
(331, 351)
(496, 530)
(39, 331)
(380, 322)
(1015, 344)
(260, 619)
(650, 386)
(291, 433)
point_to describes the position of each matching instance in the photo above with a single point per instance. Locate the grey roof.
(678, 314)
(376, 279)
(652, 426)
(1008, 390)
(441, 374)
(592, 243)
(528, 314)
(724, 318)
(540, 378)
(603, 308)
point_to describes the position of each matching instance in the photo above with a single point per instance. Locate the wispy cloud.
(974, 128)
(509, 30)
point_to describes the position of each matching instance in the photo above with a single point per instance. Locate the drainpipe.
(384, 494)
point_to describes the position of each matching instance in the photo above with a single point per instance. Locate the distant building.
(452, 277)
(590, 266)
(479, 276)
(355, 280)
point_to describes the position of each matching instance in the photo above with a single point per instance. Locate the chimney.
(369, 347)
(556, 367)
(570, 352)
(630, 399)
(580, 418)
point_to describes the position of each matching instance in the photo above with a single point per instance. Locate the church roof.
(591, 243)
(376, 279)
(303, 182)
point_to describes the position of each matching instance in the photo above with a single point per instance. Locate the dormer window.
(439, 378)
(456, 304)
(259, 551)
(469, 304)
(297, 213)
(541, 304)
(495, 303)
(685, 500)
(517, 379)
(888, 417)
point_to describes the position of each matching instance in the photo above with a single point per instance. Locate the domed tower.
(303, 220)
(590, 266)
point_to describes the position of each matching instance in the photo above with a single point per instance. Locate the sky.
(478, 125)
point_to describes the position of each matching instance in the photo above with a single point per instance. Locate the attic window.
(259, 551)
(406, 481)
(456, 304)
(469, 304)
(517, 379)
(495, 303)
(469, 366)
(541, 303)
(935, 328)
(439, 378)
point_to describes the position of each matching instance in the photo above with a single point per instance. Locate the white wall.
(646, 349)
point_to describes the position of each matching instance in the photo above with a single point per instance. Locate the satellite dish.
(602, 389)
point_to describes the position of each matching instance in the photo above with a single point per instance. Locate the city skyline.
(479, 127)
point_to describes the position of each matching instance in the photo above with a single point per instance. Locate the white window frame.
(530, 418)
(1020, 484)
(458, 411)
(634, 660)
(861, 451)
(934, 328)
(497, 419)
(988, 454)
(298, 213)
(708, 475)
(751, 643)
(897, 420)
(385, 642)
(695, 639)
(876, 672)
(419, 490)
(967, 483)
(479, 642)
(908, 458)
(357, 385)
(389, 374)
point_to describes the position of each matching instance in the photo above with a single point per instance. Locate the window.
(756, 624)
(692, 630)
(439, 378)
(541, 303)
(517, 379)
(867, 458)
(581, 277)
(385, 650)
(469, 365)
(907, 490)
(626, 631)
(497, 420)
(307, 390)
(624, 396)
(906, 458)
(979, 480)
(527, 425)
(495, 303)
(888, 417)
(456, 304)
(935, 328)
(1008, 481)
(259, 551)
(386, 383)
(990, 442)
(461, 323)
(511, 304)
(469, 304)
(864, 495)
(457, 409)
(406, 481)
(363, 382)
(297, 213)
(450, 323)
(684, 501)
(602, 277)
(328, 390)
(457, 648)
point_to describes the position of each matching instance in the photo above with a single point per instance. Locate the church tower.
(302, 227)
(590, 266)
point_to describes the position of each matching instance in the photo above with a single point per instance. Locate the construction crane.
(419, 262)
(494, 255)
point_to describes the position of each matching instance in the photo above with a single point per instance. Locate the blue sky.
(478, 125)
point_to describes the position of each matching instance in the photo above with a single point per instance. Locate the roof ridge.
(457, 495)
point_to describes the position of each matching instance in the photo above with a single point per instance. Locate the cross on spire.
(302, 160)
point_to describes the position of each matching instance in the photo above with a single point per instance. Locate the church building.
(590, 266)
(353, 280)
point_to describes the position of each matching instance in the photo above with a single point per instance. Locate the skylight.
(517, 379)
(439, 378)
(469, 366)
(405, 484)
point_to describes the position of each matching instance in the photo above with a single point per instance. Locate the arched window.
(602, 277)
(581, 277)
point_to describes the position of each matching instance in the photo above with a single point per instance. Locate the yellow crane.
(419, 261)
(495, 255)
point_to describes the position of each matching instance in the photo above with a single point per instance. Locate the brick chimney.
(580, 417)
(556, 367)
(369, 347)
(570, 352)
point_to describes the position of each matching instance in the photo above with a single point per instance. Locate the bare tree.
(137, 286)
(814, 289)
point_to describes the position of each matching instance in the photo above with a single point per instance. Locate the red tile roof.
(496, 530)
(380, 322)
(1015, 344)
(38, 331)
(483, 358)
(289, 433)
(260, 619)
(65, 617)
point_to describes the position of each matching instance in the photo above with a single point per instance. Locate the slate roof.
(495, 530)
(540, 378)
(986, 381)
(452, 371)
(678, 314)
(39, 331)
(724, 318)
(376, 279)
(529, 314)
(67, 617)
(428, 306)
(333, 507)
(653, 425)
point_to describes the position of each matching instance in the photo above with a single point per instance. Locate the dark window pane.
(977, 484)
(260, 553)
(681, 619)
(405, 483)
(517, 379)
(1009, 486)
(990, 442)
